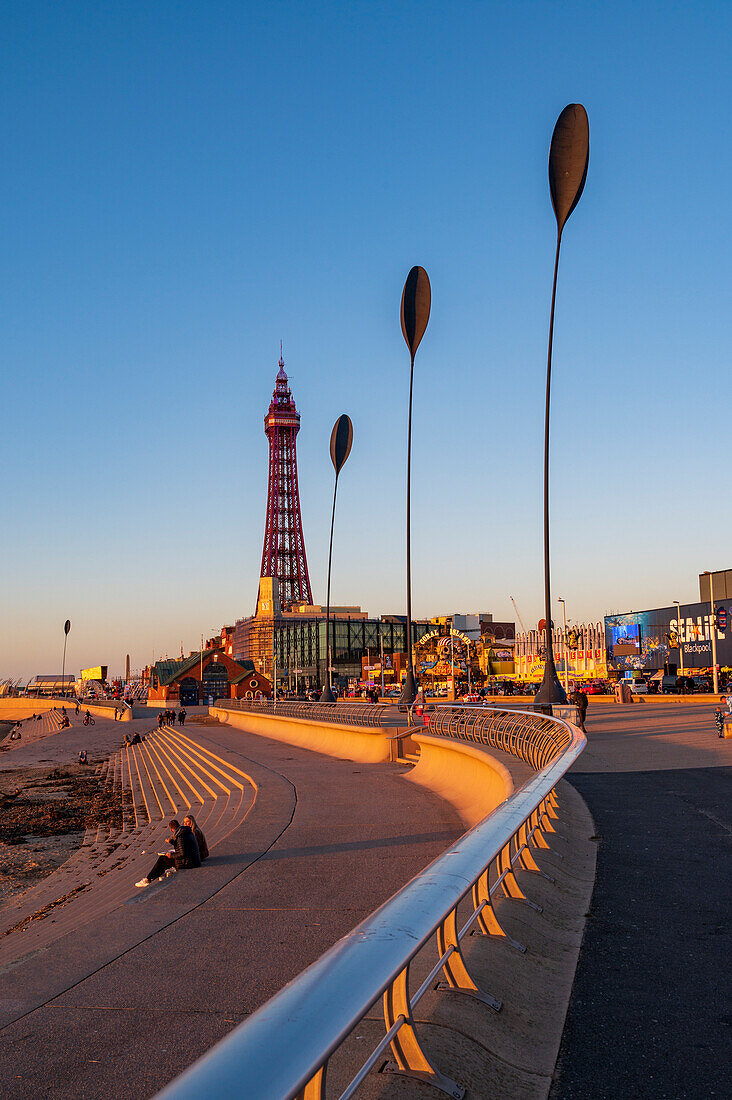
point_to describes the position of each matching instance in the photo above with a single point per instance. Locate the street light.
(564, 620)
(415, 313)
(67, 628)
(341, 440)
(568, 159)
(713, 631)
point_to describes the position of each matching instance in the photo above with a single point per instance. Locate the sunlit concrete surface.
(511, 1054)
(370, 745)
(469, 777)
(126, 1002)
(650, 1010)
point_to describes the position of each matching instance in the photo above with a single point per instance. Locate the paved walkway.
(650, 1010)
(138, 995)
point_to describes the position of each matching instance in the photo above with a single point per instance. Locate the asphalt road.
(650, 1011)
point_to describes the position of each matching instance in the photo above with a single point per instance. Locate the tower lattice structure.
(283, 555)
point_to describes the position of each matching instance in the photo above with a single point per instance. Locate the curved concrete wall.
(464, 775)
(368, 746)
(11, 710)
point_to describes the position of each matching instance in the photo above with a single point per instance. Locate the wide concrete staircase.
(32, 730)
(169, 774)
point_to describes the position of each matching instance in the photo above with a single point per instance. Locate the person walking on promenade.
(579, 700)
(182, 717)
(185, 856)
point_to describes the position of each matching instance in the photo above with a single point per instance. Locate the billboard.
(626, 639)
(648, 640)
(98, 673)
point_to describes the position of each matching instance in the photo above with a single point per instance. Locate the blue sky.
(186, 184)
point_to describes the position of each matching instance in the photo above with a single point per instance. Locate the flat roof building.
(296, 637)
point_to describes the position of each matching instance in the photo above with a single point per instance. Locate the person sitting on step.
(186, 853)
(190, 821)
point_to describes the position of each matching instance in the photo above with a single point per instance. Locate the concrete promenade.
(650, 1009)
(133, 993)
(124, 1003)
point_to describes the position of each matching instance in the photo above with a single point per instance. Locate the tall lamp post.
(415, 313)
(67, 628)
(564, 621)
(568, 159)
(381, 648)
(341, 441)
(678, 635)
(713, 632)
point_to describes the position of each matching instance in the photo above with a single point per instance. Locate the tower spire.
(283, 555)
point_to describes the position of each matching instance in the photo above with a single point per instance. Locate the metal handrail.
(532, 736)
(281, 1051)
(343, 714)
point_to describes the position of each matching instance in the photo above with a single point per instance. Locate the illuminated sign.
(98, 673)
(626, 640)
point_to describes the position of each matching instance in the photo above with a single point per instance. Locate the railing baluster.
(315, 1088)
(488, 922)
(457, 975)
(510, 885)
(409, 1057)
(525, 858)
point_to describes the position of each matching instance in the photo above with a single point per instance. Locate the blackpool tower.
(283, 555)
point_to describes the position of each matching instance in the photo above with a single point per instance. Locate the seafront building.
(203, 677)
(676, 637)
(579, 651)
(290, 642)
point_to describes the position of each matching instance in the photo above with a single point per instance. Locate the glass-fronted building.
(298, 643)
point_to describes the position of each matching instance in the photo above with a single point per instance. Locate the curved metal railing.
(341, 714)
(533, 737)
(282, 1051)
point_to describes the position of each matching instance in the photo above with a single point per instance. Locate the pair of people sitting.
(190, 849)
(134, 740)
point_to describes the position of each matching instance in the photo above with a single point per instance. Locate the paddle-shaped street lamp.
(568, 159)
(67, 628)
(341, 440)
(416, 301)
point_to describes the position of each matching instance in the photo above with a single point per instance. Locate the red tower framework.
(283, 555)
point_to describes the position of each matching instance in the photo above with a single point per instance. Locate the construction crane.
(521, 621)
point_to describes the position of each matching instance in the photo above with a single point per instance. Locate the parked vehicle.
(596, 687)
(639, 687)
(670, 685)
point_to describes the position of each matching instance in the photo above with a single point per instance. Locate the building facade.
(291, 644)
(201, 678)
(669, 637)
(580, 652)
